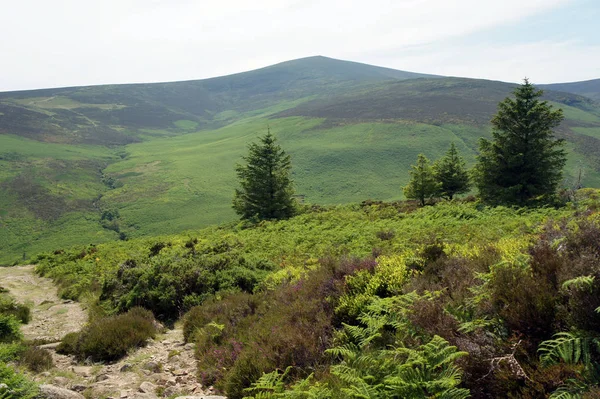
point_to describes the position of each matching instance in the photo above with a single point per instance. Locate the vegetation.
(423, 184)
(266, 187)
(14, 352)
(524, 162)
(377, 299)
(451, 172)
(109, 338)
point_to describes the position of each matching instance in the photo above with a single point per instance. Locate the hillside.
(453, 300)
(95, 164)
(588, 88)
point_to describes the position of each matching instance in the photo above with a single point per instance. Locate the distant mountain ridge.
(587, 88)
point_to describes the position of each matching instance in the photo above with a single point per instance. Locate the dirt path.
(52, 317)
(165, 367)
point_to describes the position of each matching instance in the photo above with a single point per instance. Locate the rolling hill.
(92, 164)
(588, 88)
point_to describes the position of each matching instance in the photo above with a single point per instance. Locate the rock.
(48, 391)
(179, 372)
(188, 347)
(153, 366)
(147, 387)
(202, 397)
(51, 346)
(125, 367)
(101, 377)
(174, 359)
(144, 395)
(78, 387)
(62, 381)
(170, 391)
(84, 371)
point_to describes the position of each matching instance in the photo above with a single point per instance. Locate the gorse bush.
(110, 338)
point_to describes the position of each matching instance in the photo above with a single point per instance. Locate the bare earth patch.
(52, 317)
(166, 367)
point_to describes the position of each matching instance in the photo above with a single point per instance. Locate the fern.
(579, 283)
(573, 389)
(567, 348)
(571, 349)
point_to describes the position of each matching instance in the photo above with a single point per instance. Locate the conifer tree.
(451, 173)
(266, 190)
(523, 163)
(422, 184)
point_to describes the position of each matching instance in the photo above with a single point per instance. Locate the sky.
(87, 42)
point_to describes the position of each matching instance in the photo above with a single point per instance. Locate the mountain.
(115, 114)
(99, 163)
(588, 88)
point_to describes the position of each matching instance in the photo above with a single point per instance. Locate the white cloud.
(541, 62)
(74, 42)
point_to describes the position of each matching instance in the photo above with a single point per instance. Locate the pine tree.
(266, 187)
(523, 164)
(422, 184)
(451, 173)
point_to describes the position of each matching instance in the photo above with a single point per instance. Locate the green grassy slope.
(160, 157)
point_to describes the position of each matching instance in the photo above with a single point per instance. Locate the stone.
(202, 397)
(170, 391)
(153, 366)
(84, 371)
(125, 367)
(78, 387)
(101, 377)
(62, 381)
(179, 372)
(51, 346)
(188, 347)
(144, 395)
(147, 387)
(48, 391)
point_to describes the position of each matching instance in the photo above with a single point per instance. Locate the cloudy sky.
(81, 42)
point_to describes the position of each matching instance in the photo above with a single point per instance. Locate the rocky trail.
(164, 368)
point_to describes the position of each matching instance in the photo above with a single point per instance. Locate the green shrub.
(18, 386)
(110, 338)
(9, 307)
(171, 287)
(10, 352)
(9, 329)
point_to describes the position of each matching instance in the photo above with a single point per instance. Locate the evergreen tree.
(523, 164)
(451, 173)
(266, 187)
(422, 184)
